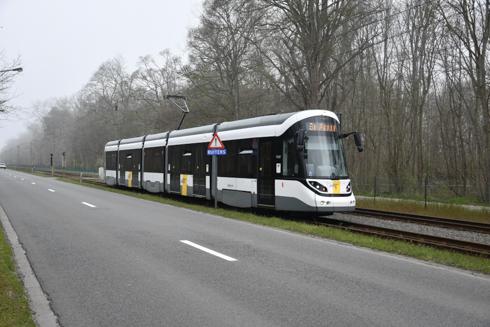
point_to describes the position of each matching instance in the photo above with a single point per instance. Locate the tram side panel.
(111, 168)
(237, 174)
(153, 169)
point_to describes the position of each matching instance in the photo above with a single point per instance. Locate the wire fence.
(430, 190)
(82, 174)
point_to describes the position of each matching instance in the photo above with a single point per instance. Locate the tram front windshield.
(324, 157)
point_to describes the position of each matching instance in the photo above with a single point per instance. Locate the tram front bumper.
(335, 203)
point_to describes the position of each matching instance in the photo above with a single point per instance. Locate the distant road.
(107, 259)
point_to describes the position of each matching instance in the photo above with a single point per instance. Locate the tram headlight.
(348, 188)
(318, 186)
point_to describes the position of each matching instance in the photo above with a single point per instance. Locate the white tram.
(290, 162)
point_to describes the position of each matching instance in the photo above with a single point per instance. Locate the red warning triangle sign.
(216, 143)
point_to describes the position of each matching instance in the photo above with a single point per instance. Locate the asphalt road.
(106, 259)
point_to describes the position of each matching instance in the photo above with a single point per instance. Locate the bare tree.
(154, 79)
(304, 43)
(220, 47)
(7, 76)
(468, 22)
(419, 44)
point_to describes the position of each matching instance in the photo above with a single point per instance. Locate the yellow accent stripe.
(183, 189)
(130, 179)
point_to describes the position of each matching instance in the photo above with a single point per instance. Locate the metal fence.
(81, 173)
(430, 190)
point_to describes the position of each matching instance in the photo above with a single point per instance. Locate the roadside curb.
(39, 303)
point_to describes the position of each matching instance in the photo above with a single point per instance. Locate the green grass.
(14, 306)
(427, 253)
(450, 211)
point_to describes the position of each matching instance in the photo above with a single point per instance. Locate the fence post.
(81, 177)
(51, 164)
(375, 187)
(426, 183)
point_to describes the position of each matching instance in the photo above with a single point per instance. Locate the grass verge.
(14, 305)
(455, 259)
(436, 210)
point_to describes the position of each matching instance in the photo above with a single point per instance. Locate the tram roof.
(116, 142)
(192, 131)
(269, 120)
(236, 125)
(159, 136)
(132, 140)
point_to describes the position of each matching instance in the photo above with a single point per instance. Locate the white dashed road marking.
(88, 204)
(202, 248)
(51, 190)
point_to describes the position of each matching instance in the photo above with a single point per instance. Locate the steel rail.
(436, 241)
(426, 220)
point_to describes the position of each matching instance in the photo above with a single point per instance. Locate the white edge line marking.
(51, 190)
(43, 315)
(202, 248)
(88, 204)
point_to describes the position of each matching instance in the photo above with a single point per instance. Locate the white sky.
(61, 43)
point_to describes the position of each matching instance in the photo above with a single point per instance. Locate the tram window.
(154, 160)
(186, 160)
(173, 159)
(130, 159)
(290, 164)
(111, 160)
(200, 159)
(227, 164)
(240, 160)
(246, 164)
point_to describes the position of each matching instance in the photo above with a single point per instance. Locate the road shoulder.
(38, 301)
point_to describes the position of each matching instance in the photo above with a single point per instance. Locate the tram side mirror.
(359, 140)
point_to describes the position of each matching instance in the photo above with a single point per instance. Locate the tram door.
(134, 168)
(265, 182)
(199, 177)
(130, 168)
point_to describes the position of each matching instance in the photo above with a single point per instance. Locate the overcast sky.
(61, 43)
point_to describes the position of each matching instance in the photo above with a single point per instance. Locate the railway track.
(426, 220)
(436, 241)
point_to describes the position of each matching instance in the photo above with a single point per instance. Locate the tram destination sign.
(216, 147)
(322, 127)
